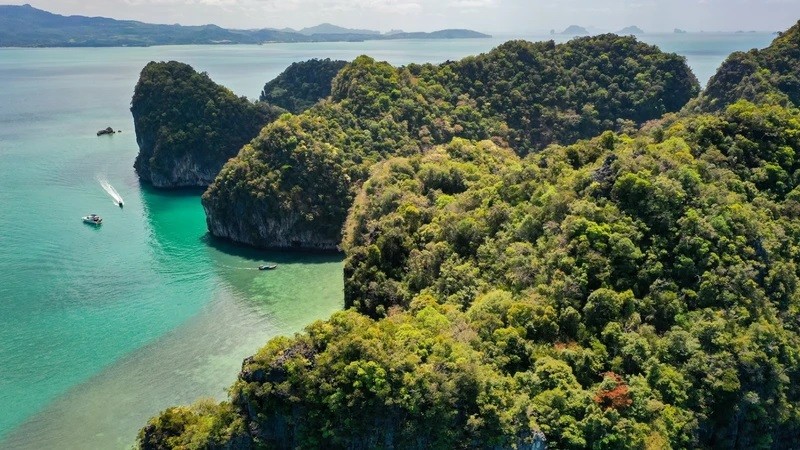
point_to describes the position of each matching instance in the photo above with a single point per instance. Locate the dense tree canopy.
(550, 93)
(292, 185)
(624, 292)
(187, 126)
(769, 75)
(667, 259)
(638, 290)
(302, 84)
(375, 111)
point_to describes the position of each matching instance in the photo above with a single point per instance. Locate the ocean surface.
(101, 328)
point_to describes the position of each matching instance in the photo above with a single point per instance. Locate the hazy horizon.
(493, 16)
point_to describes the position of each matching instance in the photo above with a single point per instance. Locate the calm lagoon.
(101, 328)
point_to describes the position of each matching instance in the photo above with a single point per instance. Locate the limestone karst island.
(335, 237)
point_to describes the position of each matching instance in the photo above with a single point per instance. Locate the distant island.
(575, 30)
(679, 31)
(26, 26)
(328, 28)
(510, 281)
(632, 30)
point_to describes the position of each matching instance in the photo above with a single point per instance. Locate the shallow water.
(101, 328)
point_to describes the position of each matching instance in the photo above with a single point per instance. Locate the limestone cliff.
(299, 201)
(187, 126)
(293, 186)
(266, 230)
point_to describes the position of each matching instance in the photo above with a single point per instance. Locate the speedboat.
(120, 203)
(267, 266)
(93, 219)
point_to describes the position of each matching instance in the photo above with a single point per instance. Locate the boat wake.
(225, 266)
(111, 191)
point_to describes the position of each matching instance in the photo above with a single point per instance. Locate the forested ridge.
(376, 111)
(187, 126)
(302, 84)
(549, 93)
(665, 262)
(768, 75)
(634, 290)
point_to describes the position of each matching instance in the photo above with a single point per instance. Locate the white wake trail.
(111, 191)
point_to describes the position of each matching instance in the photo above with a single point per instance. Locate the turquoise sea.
(100, 328)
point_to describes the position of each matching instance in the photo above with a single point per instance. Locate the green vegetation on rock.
(292, 186)
(667, 259)
(187, 126)
(635, 290)
(624, 292)
(770, 75)
(549, 93)
(302, 84)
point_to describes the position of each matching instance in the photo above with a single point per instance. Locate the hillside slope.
(187, 126)
(292, 186)
(769, 75)
(302, 84)
(633, 291)
(619, 293)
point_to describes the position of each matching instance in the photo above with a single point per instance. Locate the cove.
(100, 328)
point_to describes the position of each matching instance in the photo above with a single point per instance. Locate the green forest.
(302, 84)
(187, 126)
(770, 75)
(182, 118)
(298, 178)
(624, 280)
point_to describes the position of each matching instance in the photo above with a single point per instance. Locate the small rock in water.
(108, 130)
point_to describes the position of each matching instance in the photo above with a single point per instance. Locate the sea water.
(102, 327)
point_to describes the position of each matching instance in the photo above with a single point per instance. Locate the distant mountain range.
(26, 26)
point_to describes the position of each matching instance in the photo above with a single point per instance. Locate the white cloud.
(381, 6)
(471, 3)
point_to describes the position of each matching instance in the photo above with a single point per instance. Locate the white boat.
(93, 219)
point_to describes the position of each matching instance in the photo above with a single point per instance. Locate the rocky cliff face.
(284, 190)
(187, 126)
(301, 173)
(265, 230)
(184, 171)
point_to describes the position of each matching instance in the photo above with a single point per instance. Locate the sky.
(494, 16)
